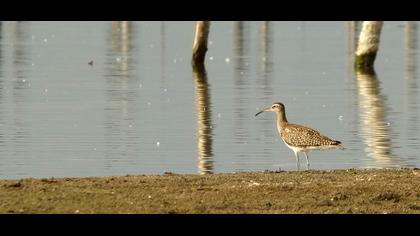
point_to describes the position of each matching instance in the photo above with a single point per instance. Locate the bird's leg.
(297, 161)
(307, 161)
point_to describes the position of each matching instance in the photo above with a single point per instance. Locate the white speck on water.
(324, 73)
(174, 60)
(157, 144)
(33, 64)
(241, 72)
(130, 126)
(24, 80)
(45, 40)
(210, 42)
(46, 90)
(227, 59)
(340, 117)
(211, 58)
(140, 85)
(324, 106)
(388, 124)
(29, 84)
(211, 126)
(118, 59)
(219, 115)
(165, 90)
(306, 93)
(149, 103)
(94, 149)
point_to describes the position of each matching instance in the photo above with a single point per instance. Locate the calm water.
(139, 109)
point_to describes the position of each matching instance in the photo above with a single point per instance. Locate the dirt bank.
(339, 191)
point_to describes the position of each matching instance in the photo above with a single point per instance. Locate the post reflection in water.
(118, 93)
(241, 86)
(411, 87)
(375, 129)
(265, 80)
(1, 89)
(1, 62)
(121, 45)
(266, 56)
(352, 36)
(353, 29)
(14, 85)
(203, 109)
(20, 85)
(163, 49)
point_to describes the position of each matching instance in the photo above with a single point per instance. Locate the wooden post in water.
(202, 29)
(368, 45)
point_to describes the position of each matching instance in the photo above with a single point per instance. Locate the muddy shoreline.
(338, 191)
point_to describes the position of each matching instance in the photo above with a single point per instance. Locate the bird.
(300, 138)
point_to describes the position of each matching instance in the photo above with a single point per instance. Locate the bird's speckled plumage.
(300, 138)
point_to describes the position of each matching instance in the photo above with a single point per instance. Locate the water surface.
(140, 109)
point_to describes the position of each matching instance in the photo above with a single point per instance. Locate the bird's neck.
(281, 120)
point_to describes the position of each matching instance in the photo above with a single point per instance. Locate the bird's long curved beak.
(259, 113)
(265, 109)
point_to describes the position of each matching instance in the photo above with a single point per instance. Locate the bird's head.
(276, 107)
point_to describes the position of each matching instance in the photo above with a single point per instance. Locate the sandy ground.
(339, 191)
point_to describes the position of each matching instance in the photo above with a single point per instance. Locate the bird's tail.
(339, 145)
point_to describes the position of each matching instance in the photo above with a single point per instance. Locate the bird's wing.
(298, 135)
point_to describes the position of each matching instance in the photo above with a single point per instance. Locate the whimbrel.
(300, 138)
